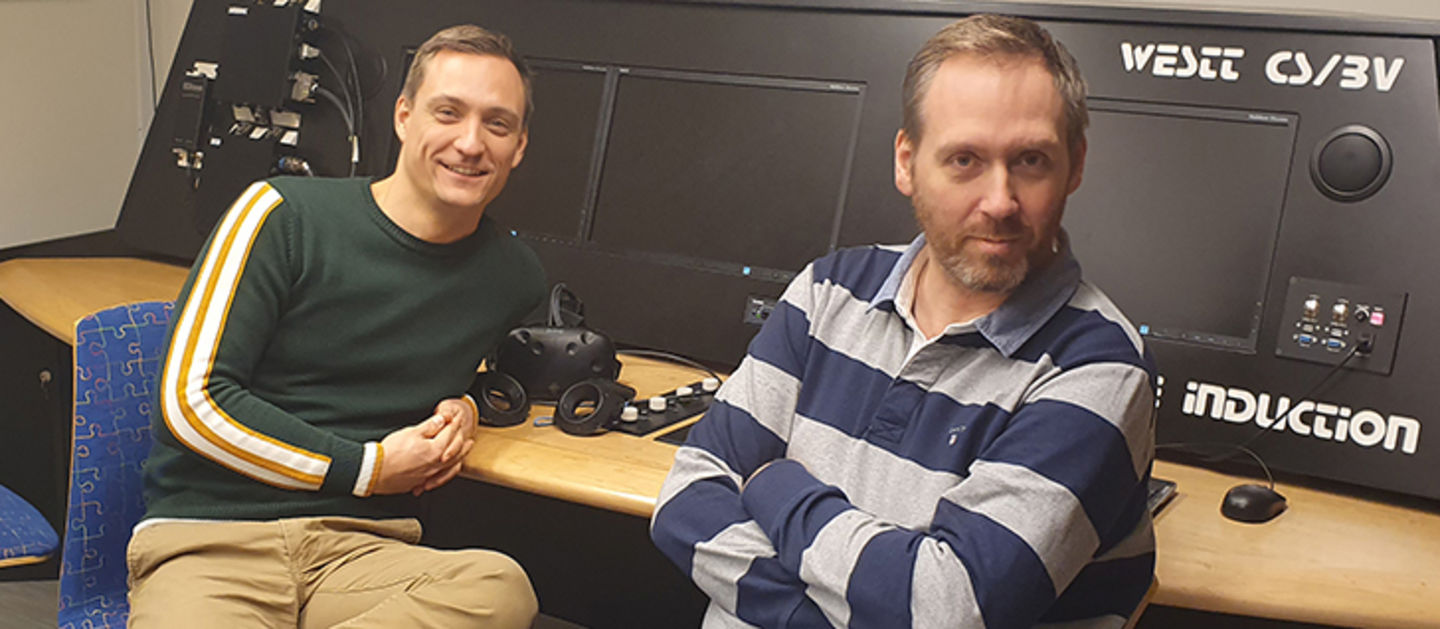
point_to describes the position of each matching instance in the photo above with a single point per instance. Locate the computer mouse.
(1252, 503)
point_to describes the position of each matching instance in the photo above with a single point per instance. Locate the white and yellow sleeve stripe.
(191, 415)
(369, 469)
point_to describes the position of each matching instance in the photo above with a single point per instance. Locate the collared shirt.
(1010, 325)
(905, 307)
(995, 476)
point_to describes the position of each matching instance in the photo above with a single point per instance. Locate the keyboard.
(1161, 493)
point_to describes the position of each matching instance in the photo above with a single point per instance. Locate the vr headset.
(565, 363)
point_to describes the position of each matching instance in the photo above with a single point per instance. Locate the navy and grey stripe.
(994, 478)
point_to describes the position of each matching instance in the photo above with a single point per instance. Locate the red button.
(1377, 318)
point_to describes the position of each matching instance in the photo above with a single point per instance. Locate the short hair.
(997, 36)
(474, 40)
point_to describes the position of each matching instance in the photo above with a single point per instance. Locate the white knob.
(630, 414)
(684, 392)
(709, 385)
(657, 403)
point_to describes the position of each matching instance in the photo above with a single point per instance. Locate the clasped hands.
(424, 456)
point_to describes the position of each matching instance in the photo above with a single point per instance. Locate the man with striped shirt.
(953, 433)
(315, 380)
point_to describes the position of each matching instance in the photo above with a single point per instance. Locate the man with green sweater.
(315, 381)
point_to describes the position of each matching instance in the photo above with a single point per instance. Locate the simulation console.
(1259, 195)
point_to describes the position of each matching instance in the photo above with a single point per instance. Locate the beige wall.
(167, 20)
(76, 108)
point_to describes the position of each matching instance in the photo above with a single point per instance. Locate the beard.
(966, 266)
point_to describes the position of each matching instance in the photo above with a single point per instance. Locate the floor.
(28, 604)
(32, 604)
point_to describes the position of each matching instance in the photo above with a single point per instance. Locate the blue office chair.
(117, 356)
(25, 536)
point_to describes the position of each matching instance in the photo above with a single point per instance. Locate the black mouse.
(1252, 503)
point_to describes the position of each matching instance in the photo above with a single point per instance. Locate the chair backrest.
(117, 356)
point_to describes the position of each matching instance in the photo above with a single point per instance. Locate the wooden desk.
(612, 471)
(54, 293)
(1329, 559)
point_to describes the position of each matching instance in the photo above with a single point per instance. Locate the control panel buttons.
(1352, 325)
(657, 403)
(630, 414)
(709, 385)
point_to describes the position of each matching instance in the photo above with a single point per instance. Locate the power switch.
(1377, 318)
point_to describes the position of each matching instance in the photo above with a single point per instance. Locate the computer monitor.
(1179, 220)
(734, 174)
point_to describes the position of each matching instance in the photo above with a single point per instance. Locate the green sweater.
(310, 327)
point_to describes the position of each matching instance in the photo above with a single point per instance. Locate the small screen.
(1179, 221)
(742, 171)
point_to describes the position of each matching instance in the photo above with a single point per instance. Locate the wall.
(167, 21)
(79, 105)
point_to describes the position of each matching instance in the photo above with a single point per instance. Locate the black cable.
(335, 100)
(1313, 389)
(1189, 446)
(354, 112)
(359, 105)
(339, 78)
(676, 358)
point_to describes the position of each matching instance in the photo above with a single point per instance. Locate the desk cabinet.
(35, 386)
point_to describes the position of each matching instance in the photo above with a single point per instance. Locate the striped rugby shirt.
(996, 478)
(309, 328)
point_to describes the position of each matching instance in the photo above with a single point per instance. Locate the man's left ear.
(520, 151)
(1077, 166)
(904, 163)
(402, 114)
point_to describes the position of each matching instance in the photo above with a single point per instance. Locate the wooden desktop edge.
(1329, 559)
(54, 293)
(613, 471)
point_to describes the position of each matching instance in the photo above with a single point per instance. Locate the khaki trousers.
(318, 572)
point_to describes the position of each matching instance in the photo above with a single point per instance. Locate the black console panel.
(687, 158)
